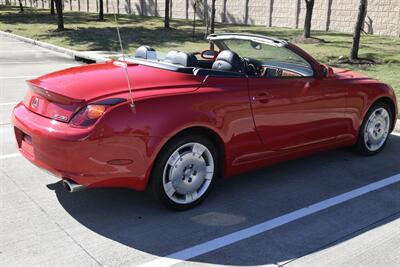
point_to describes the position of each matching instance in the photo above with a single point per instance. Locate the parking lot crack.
(49, 218)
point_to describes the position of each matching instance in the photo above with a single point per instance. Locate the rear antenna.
(124, 65)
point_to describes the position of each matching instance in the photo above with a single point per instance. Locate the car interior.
(226, 63)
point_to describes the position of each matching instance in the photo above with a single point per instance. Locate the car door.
(293, 106)
(293, 112)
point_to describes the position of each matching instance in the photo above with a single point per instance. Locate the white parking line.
(396, 133)
(229, 239)
(8, 103)
(9, 156)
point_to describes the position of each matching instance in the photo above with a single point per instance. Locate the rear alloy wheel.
(185, 172)
(375, 129)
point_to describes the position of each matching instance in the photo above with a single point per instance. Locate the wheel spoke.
(386, 118)
(174, 157)
(198, 149)
(189, 197)
(366, 136)
(169, 189)
(209, 176)
(210, 169)
(372, 118)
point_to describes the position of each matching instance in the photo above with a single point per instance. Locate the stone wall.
(383, 16)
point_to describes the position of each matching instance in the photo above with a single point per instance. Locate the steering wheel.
(252, 66)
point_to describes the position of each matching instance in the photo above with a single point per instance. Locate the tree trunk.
(212, 22)
(307, 21)
(223, 15)
(52, 12)
(60, 17)
(194, 19)
(166, 17)
(170, 9)
(101, 10)
(187, 9)
(21, 7)
(246, 12)
(206, 19)
(362, 11)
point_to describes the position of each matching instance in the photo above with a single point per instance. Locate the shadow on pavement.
(135, 220)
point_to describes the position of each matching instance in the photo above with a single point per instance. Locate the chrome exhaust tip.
(71, 186)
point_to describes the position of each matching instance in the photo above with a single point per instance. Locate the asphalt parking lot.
(275, 216)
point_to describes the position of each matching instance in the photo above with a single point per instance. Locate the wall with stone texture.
(383, 16)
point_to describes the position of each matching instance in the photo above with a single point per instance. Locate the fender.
(362, 95)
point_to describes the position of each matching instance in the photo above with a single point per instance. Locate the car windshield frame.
(304, 68)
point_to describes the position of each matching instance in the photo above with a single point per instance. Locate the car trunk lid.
(61, 94)
(51, 104)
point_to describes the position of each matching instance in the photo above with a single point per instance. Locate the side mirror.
(328, 71)
(209, 54)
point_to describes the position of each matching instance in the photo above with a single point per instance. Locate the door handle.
(263, 97)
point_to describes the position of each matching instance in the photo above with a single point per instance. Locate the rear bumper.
(84, 156)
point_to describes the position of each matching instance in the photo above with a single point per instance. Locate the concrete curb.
(397, 127)
(79, 56)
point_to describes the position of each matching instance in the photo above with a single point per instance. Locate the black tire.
(156, 186)
(361, 146)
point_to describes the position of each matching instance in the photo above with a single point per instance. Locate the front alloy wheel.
(375, 129)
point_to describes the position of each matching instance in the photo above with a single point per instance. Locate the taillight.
(88, 115)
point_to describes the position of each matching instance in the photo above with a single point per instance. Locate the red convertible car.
(176, 123)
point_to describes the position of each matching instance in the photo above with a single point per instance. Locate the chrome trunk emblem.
(34, 102)
(60, 117)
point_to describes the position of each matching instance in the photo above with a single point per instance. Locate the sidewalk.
(87, 57)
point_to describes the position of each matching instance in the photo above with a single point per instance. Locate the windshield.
(263, 52)
(268, 56)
